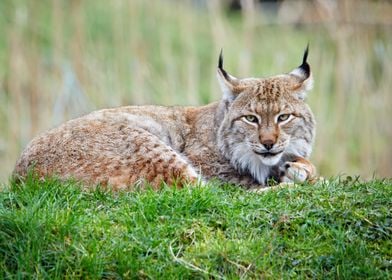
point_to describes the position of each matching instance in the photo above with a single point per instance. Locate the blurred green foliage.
(60, 59)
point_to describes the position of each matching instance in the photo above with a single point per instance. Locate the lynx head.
(265, 121)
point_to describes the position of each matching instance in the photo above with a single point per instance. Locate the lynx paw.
(297, 171)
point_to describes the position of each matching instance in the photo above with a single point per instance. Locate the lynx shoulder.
(260, 129)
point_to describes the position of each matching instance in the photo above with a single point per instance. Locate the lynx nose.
(268, 144)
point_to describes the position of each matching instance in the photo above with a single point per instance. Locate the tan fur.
(131, 145)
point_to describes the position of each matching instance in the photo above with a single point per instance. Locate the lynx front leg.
(298, 170)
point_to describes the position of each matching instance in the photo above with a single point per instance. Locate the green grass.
(340, 230)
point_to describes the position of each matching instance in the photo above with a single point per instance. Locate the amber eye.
(251, 119)
(283, 117)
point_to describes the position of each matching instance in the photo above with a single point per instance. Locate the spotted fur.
(132, 145)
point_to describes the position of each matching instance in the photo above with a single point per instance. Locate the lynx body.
(260, 129)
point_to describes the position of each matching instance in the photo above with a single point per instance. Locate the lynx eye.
(283, 117)
(251, 119)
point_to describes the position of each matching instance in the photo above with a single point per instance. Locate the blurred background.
(60, 59)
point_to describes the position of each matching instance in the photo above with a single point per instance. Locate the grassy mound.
(340, 229)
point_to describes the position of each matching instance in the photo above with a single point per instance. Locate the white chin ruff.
(245, 159)
(270, 161)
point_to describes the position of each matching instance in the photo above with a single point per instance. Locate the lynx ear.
(303, 77)
(227, 82)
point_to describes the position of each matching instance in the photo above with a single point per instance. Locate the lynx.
(261, 129)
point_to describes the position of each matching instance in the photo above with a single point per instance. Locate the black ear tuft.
(220, 65)
(305, 66)
(305, 54)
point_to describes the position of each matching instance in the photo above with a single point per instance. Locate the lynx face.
(265, 120)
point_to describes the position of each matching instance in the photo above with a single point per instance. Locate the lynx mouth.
(268, 154)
